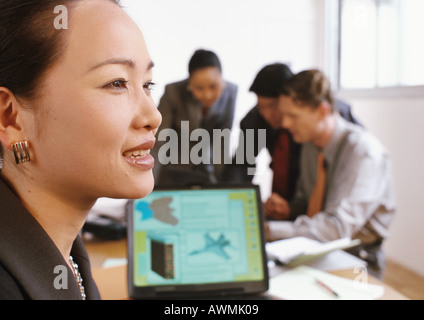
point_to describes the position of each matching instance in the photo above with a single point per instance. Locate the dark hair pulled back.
(203, 59)
(29, 42)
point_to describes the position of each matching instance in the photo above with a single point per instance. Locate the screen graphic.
(197, 236)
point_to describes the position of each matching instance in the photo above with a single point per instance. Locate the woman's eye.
(118, 84)
(149, 85)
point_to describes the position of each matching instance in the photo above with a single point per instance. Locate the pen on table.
(323, 285)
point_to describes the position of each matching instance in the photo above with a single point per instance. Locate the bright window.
(381, 43)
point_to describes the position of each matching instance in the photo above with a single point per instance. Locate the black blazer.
(28, 257)
(238, 172)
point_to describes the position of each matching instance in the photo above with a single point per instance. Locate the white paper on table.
(300, 284)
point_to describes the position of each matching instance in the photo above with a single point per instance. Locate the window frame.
(332, 64)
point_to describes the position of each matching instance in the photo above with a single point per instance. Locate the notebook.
(197, 242)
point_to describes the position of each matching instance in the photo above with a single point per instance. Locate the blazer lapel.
(81, 257)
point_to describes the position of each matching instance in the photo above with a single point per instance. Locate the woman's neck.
(61, 218)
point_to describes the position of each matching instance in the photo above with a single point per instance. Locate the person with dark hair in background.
(284, 151)
(345, 188)
(203, 101)
(77, 121)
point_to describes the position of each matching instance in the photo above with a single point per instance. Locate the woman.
(77, 122)
(203, 101)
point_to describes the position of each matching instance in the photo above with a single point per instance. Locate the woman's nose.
(148, 115)
(155, 117)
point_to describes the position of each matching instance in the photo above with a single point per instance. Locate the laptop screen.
(198, 240)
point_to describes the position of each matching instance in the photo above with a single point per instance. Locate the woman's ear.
(9, 126)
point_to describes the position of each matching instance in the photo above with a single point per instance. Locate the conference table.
(110, 270)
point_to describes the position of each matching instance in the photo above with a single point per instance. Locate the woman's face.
(95, 120)
(206, 85)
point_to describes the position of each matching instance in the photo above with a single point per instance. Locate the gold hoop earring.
(21, 152)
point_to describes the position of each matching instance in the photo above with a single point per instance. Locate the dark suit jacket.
(234, 172)
(254, 120)
(28, 257)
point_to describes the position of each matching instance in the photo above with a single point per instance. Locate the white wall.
(396, 119)
(246, 35)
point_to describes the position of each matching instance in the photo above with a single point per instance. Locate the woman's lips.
(140, 156)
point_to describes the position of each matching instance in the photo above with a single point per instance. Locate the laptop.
(197, 242)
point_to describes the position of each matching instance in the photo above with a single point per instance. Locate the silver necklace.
(78, 277)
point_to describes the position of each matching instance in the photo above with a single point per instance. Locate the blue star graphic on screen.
(214, 246)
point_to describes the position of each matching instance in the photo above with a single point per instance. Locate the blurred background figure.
(345, 187)
(203, 101)
(284, 152)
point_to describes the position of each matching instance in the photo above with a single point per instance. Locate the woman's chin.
(141, 189)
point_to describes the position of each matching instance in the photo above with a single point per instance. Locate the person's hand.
(277, 208)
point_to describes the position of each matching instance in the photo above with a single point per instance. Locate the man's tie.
(280, 164)
(317, 197)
